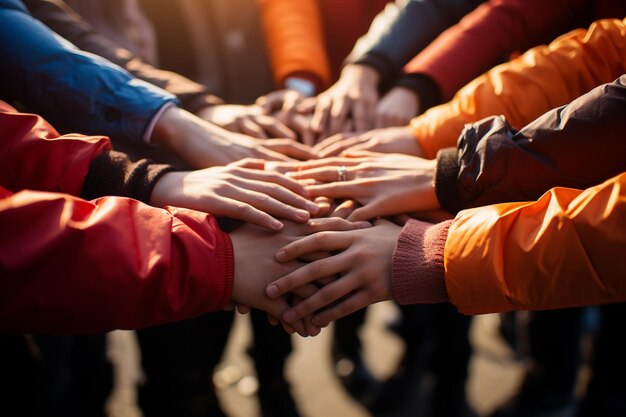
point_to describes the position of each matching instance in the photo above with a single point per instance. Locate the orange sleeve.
(564, 250)
(295, 40)
(543, 78)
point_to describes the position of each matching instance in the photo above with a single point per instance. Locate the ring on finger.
(341, 173)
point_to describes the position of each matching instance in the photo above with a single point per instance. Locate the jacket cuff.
(418, 274)
(425, 87)
(446, 175)
(380, 63)
(114, 174)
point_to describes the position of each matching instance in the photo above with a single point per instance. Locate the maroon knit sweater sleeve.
(417, 267)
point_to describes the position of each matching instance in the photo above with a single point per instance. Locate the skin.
(397, 108)
(353, 96)
(251, 278)
(242, 190)
(361, 265)
(384, 140)
(202, 144)
(248, 120)
(384, 184)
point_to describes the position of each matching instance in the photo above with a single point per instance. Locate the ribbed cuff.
(381, 64)
(114, 174)
(425, 87)
(446, 178)
(418, 274)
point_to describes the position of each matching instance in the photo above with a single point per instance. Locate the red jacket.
(75, 266)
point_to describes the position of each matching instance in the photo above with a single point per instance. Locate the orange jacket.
(295, 41)
(565, 249)
(541, 79)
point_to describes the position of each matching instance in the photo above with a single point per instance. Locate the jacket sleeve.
(410, 31)
(72, 266)
(564, 250)
(63, 20)
(73, 89)
(578, 146)
(543, 78)
(295, 40)
(518, 25)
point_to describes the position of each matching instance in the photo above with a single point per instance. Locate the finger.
(265, 184)
(227, 207)
(338, 115)
(269, 205)
(324, 206)
(325, 241)
(249, 163)
(265, 153)
(272, 320)
(327, 162)
(333, 224)
(339, 147)
(291, 148)
(248, 127)
(274, 128)
(373, 210)
(332, 140)
(271, 177)
(307, 105)
(326, 296)
(276, 309)
(243, 309)
(320, 116)
(345, 209)
(362, 115)
(348, 189)
(326, 173)
(345, 307)
(268, 103)
(311, 329)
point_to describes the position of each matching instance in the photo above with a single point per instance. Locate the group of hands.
(312, 248)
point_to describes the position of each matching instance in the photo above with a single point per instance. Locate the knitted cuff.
(446, 179)
(425, 87)
(418, 274)
(113, 173)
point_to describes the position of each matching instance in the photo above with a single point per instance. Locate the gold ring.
(341, 173)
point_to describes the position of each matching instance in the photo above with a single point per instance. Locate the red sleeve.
(33, 154)
(72, 266)
(488, 35)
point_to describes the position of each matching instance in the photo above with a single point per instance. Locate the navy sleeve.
(71, 88)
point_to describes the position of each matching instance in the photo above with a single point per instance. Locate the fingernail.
(281, 256)
(276, 225)
(272, 291)
(289, 316)
(303, 215)
(312, 207)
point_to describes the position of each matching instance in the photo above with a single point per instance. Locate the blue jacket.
(72, 89)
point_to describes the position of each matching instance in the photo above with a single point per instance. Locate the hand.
(364, 262)
(281, 101)
(248, 120)
(385, 184)
(355, 94)
(201, 144)
(282, 104)
(241, 190)
(387, 140)
(397, 107)
(255, 267)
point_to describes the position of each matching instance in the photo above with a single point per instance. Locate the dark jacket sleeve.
(72, 89)
(62, 19)
(410, 31)
(578, 145)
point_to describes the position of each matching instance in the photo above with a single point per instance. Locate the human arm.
(75, 90)
(545, 77)
(563, 250)
(486, 37)
(62, 19)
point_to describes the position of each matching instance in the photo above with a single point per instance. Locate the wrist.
(364, 73)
